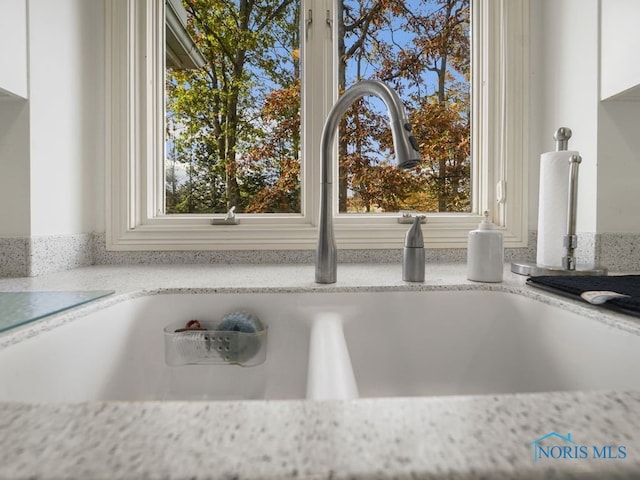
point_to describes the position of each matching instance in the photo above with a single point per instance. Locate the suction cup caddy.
(569, 264)
(217, 343)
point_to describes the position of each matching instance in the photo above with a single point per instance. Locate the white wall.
(52, 144)
(66, 89)
(14, 168)
(618, 121)
(619, 167)
(14, 121)
(620, 43)
(564, 93)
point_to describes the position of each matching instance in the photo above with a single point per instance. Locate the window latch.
(406, 217)
(501, 192)
(229, 219)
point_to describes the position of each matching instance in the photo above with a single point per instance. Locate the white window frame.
(135, 143)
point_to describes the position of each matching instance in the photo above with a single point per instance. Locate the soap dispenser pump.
(413, 253)
(485, 253)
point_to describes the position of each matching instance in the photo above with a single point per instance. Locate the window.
(234, 132)
(137, 218)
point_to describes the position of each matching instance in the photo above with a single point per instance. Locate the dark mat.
(574, 286)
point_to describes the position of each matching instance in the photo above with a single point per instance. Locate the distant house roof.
(181, 50)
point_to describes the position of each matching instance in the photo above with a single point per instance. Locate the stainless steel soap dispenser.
(413, 253)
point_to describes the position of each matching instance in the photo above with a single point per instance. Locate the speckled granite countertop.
(469, 437)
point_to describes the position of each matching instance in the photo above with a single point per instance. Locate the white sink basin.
(475, 342)
(328, 345)
(118, 354)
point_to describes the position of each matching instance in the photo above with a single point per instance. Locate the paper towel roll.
(552, 207)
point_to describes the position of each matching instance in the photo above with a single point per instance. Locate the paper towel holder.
(569, 264)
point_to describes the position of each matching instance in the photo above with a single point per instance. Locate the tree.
(407, 48)
(216, 104)
(277, 157)
(240, 113)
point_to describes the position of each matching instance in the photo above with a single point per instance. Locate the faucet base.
(326, 276)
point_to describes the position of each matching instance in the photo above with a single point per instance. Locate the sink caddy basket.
(212, 346)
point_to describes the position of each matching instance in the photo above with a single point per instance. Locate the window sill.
(440, 231)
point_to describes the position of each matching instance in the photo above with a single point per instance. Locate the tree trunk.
(343, 183)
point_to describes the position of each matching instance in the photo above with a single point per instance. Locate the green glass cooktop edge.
(18, 308)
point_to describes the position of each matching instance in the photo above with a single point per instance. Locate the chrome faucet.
(406, 151)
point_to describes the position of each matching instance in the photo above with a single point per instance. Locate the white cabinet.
(13, 49)
(620, 50)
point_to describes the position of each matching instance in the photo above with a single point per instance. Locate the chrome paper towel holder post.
(569, 264)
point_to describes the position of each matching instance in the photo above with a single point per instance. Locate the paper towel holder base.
(532, 270)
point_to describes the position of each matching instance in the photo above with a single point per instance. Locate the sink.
(483, 342)
(326, 345)
(118, 353)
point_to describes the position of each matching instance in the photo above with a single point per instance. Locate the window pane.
(232, 121)
(422, 49)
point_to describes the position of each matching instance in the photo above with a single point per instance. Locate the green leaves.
(219, 106)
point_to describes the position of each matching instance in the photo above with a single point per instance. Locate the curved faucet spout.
(406, 151)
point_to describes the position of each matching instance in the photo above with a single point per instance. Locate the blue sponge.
(241, 322)
(247, 345)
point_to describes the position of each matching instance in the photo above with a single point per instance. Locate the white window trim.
(134, 141)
